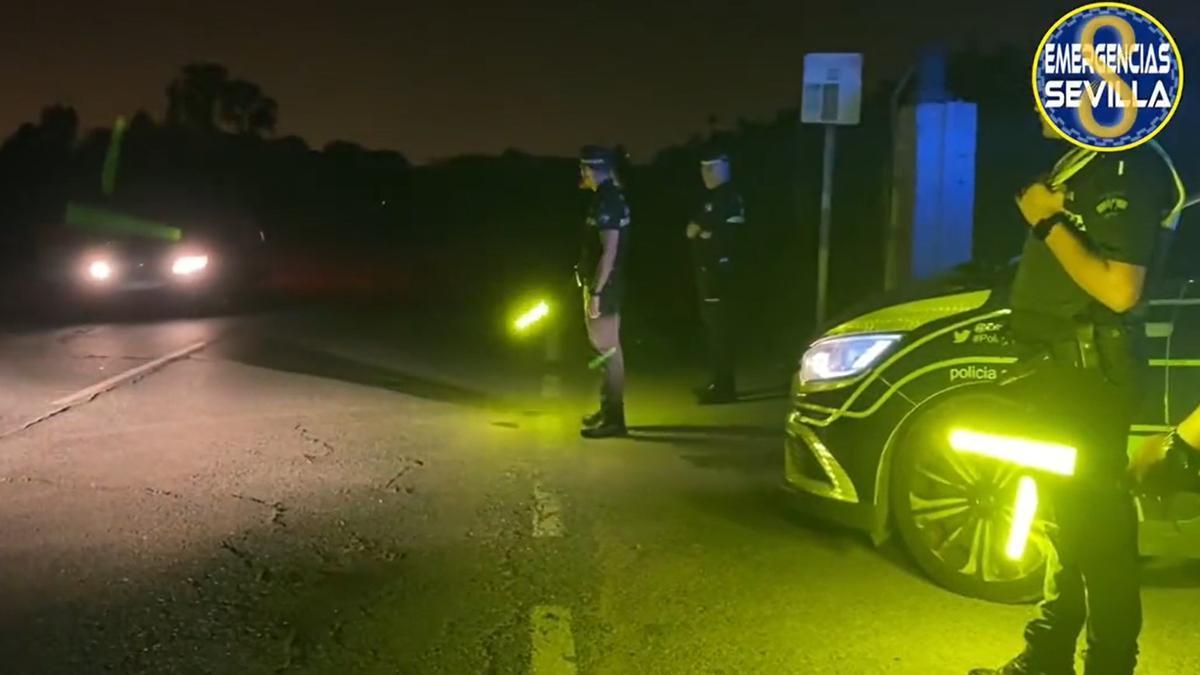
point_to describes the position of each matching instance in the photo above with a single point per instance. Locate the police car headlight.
(843, 357)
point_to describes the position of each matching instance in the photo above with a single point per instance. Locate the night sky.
(435, 79)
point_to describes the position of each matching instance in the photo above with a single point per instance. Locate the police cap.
(595, 155)
(713, 154)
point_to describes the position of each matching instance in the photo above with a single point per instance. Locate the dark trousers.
(1092, 576)
(718, 326)
(717, 314)
(604, 334)
(1092, 580)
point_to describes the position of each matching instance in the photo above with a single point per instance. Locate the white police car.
(867, 443)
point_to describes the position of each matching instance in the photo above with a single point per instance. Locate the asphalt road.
(358, 491)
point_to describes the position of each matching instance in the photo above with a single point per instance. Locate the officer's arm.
(1116, 284)
(729, 216)
(723, 220)
(1189, 429)
(1123, 227)
(610, 240)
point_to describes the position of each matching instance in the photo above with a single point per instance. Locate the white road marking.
(547, 513)
(553, 650)
(133, 373)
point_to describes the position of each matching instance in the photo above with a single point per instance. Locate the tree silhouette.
(192, 97)
(244, 109)
(204, 97)
(59, 127)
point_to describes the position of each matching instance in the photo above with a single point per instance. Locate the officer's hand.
(1151, 452)
(593, 307)
(705, 234)
(1038, 202)
(692, 230)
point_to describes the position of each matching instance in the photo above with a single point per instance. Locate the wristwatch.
(1043, 228)
(1181, 453)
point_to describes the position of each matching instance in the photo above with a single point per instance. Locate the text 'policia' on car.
(878, 396)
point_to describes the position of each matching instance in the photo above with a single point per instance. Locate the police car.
(867, 440)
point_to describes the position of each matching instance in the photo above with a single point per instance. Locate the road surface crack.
(239, 553)
(76, 333)
(10, 480)
(277, 509)
(162, 493)
(312, 438)
(408, 465)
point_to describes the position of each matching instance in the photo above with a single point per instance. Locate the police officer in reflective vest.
(713, 234)
(1093, 227)
(601, 273)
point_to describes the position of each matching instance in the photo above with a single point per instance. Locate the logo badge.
(1108, 77)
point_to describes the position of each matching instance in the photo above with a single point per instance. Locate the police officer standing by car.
(601, 274)
(1093, 225)
(713, 234)
(1170, 463)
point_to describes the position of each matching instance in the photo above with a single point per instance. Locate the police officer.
(1093, 224)
(713, 234)
(1170, 462)
(601, 273)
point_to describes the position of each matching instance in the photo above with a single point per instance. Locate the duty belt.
(1090, 347)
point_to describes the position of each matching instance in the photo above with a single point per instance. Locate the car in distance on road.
(196, 265)
(876, 396)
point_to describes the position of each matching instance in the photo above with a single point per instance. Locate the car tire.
(928, 479)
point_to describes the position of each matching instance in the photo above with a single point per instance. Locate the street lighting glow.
(532, 316)
(1049, 457)
(1022, 522)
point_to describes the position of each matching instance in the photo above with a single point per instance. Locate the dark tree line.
(473, 227)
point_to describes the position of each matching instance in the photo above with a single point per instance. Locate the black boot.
(1021, 666)
(612, 425)
(715, 394)
(594, 419)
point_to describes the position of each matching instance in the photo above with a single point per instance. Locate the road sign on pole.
(832, 96)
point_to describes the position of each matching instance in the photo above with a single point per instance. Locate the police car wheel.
(954, 515)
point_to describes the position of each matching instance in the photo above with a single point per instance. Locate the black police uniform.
(608, 211)
(722, 215)
(1079, 371)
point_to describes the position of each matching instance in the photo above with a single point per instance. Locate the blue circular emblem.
(1108, 76)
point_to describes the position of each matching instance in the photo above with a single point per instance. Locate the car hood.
(960, 289)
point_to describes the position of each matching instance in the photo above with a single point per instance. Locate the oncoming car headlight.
(186, 265)
(843, 357)
(99, 270)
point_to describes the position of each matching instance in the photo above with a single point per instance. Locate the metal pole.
(826, 217)
(891, 272)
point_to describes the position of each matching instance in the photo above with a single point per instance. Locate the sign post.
(832, 96)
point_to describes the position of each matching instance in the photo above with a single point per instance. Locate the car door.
(1172, 526)
(1179, 365)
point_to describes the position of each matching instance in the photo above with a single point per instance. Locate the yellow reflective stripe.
(1031, 454)
(1022, 522)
